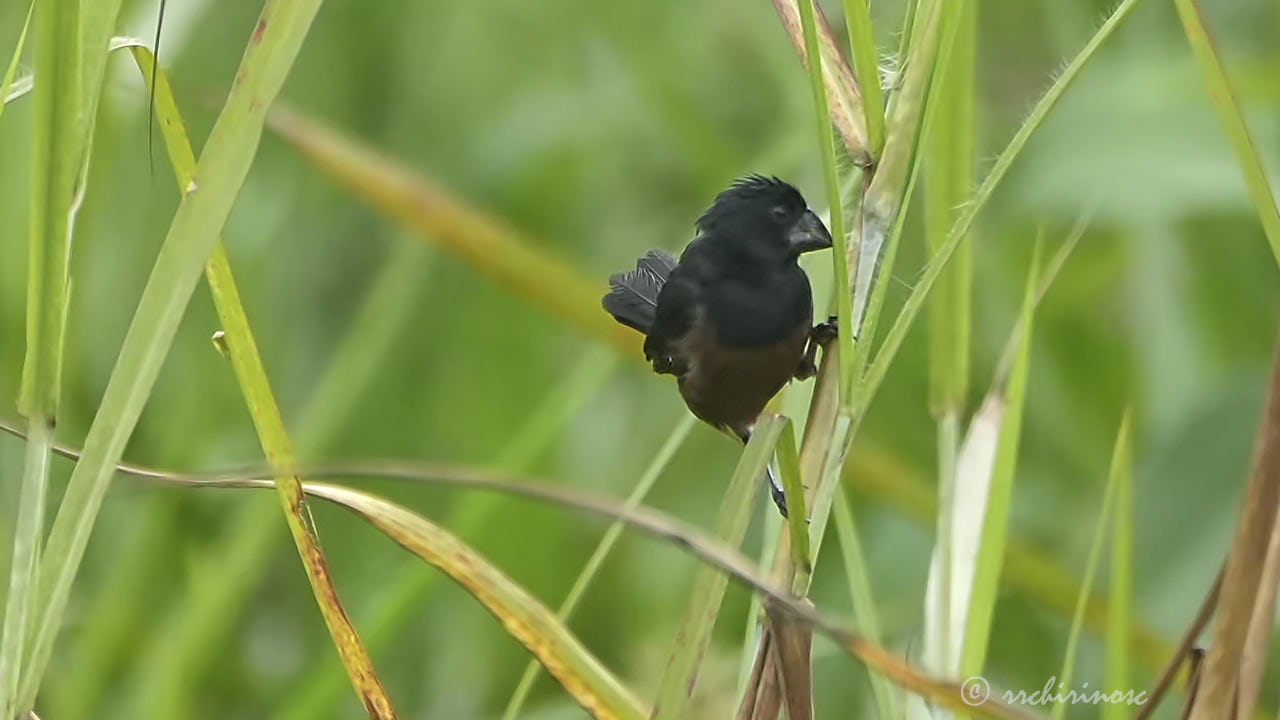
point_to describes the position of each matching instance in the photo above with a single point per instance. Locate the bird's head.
(766, 219)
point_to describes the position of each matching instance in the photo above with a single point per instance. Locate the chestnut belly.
(730, 386)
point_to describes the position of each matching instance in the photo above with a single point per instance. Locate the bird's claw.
(779, 499)
(775, 490)
(824, 332)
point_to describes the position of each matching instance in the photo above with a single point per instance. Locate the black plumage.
(633, 296)
(732, 318)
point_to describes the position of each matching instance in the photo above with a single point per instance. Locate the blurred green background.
(600, 130)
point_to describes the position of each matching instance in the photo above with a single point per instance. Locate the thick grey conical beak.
(808, 233)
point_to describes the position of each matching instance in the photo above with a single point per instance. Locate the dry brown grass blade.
(842, 89)
(1193, 682)
(1258, 639)
(529, 621)
(1243, 575)
(763, 691)
(1184, 650)
(435, 214)
(794, 655)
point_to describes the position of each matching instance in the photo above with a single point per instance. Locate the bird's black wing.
(673, 318)
(633, 296)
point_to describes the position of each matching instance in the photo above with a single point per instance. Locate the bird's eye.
(780, 212)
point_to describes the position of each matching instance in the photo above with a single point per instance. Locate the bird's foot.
(824, 332)
(775, 492)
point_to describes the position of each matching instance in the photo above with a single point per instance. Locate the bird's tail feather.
(633, 296)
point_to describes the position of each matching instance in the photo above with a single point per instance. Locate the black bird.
(732, 318)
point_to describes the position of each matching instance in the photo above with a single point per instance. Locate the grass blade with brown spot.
(526, 619)
(223, 166)
(256, 388)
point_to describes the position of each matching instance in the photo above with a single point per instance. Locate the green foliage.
(592, 133)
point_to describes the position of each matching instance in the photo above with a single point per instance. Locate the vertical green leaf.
(251, 375)
(1120, 593)
(797, 514)
(948, 172)
(1233, 124)
(60, 139)
(1119, 469)
(862, 49)
(842, 258)
(995, 519)
(206, 203)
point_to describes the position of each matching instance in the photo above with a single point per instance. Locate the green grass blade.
(797, 516)
(1233, 124)
(865, 617)
(960, 229)
(883, 267)
(938, 649)
(842, 259)
(678, 679)
(12, 70)
(884, 252)
(866, 69)
(904, 35)
(29, 525)
(1119, 465)
(251, 375)
(887, 190)
(995, 518)
(20, 87)
(181, 652)
(206, 204)
(60, 138)
(607, 541)
(199, 619)
(947, 183)
(1120, 593)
